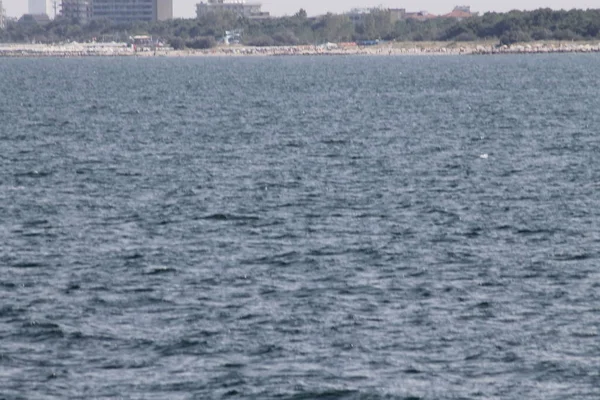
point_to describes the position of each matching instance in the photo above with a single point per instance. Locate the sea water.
(300, 228)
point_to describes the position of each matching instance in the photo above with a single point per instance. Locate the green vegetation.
(506, 28)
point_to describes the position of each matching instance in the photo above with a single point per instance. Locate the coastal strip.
(329, 49)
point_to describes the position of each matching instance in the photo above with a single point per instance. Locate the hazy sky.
(186, 8)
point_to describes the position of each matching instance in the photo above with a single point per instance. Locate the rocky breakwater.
(328, 50)
(537, 48)
(66, 50)
(407, 49)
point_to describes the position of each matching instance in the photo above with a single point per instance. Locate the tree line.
(299, 29)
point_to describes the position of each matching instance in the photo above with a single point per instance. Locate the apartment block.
(358, 15)
(126, 11)
(119, 11)
(80, 10)
(239, 7)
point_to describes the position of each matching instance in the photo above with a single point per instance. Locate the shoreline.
(76, 50)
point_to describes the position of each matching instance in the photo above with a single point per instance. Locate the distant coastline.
(388, 49)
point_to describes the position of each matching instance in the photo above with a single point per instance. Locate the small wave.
(134, 256)
(282, 259)
(94, 107)
(8, 285)
(35, 222)
(161, 270)
(27, 264)
(474, 356)
(233, 365)
(585, 335)
(266, 349)
(230, 217)
(11, 312)
(183, 347)
(527, 232)
(142, 290)
(49, 123)
(116, 365)
(334, 141)
(128, 173)
(483, 305)
(340, 394)
(33, 174)
(41, 330)
(130, 112)
(73, 287)
(572, 257)
(473, 232)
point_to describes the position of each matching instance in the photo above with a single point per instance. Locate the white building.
(239, 7)
(37, 7)
(1, 15)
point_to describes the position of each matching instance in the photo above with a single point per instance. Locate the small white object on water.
(484, 156)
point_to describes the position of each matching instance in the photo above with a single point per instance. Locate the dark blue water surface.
(300, 228)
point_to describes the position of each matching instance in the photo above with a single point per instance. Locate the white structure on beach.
(39, 7)
(239, 7)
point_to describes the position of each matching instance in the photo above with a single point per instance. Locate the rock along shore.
(330, 49)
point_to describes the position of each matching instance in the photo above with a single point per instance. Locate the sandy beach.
(331, 49)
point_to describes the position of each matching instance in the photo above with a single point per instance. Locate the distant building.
(132, 10)
(465, 9)
(34, 19)
(39, 7)
(357, 15)
(239, 7)
(397, 14)
(420, 16)
(164, 10)
(1, 15)
(461, 12)
(80, 10)
(120, 11)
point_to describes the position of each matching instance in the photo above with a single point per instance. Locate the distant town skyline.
(187, 8)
